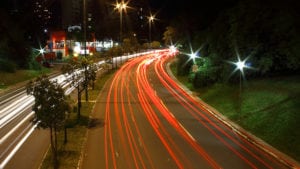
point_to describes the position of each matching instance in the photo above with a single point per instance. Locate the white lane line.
(189, 134)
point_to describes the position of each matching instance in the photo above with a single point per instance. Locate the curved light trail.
(152, 122)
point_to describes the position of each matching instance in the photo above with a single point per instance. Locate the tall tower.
(71, 13)
(47, 13)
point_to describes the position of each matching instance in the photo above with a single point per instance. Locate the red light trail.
(152, 122)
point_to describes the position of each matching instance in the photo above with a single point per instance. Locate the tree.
(155, 44)
(92, 73)
(79, 74)
(13, 46)
(50, 109)
(74, 76)
(184, 65)
(169, 35)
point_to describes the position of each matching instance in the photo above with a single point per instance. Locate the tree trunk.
(86, 93)
(79, 102)
(53, 149)
(86, 85)
(55, 141)
(66, 137)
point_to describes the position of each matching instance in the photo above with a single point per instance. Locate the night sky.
(173, 8)
(169, 9)
(185, 12)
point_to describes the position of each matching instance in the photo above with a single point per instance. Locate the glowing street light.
(193, 56)
(173, 49)
(42, 51)
(240, 66)
(120, 7)
(150, 20)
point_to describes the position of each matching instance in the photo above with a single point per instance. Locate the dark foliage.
(50, 108)
(184, 65)
(265, 32)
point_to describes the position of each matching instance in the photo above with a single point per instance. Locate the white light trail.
(8, 118)
(17, 147)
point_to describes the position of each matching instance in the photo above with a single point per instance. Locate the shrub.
(7, 66)
(59, 55)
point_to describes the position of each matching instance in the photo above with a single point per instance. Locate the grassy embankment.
(270, 108)
(10, 79)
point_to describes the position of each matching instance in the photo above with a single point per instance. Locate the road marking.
(189, 134)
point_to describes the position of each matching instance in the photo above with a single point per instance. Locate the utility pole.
(84, 37)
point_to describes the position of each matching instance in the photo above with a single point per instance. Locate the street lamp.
(193, 55)
(173, 50)
(41, 51)
(240, 65)
(120, 7)
(84, 26)
(150, 20)
(85, 50)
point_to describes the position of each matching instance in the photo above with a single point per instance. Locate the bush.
(34, 65)
(204, 78)
(7, 66)
(59, 55)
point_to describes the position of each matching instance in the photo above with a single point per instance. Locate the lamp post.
(120, 7)
(240, 65)
(84, 26)
(150, 20)
(85, 50)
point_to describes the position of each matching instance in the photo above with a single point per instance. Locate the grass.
(69, 153)
(269, 109)
(8, 79)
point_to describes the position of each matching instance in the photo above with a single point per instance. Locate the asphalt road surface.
(22, 146)
(144, 119)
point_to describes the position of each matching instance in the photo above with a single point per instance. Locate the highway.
(22, 146)
(147, 120)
